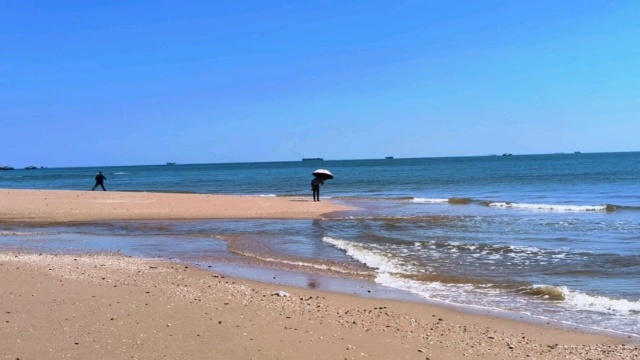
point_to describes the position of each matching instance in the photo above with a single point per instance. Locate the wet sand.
(115, 307)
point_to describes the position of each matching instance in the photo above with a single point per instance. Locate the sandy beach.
(115, 307)
(70, 206)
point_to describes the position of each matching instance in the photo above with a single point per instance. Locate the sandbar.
(18, 205)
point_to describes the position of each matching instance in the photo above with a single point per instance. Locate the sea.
(551, 238)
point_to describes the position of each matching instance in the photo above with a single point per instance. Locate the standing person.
(99, 181)
(315, 187)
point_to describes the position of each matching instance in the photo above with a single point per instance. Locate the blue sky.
(145, 82)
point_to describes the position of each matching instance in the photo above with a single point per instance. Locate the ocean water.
(550, 237)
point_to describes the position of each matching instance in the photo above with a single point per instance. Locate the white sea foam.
(20, 233)
(581, 307)
(120, 173)
(381, 263)
(429, 200)
(424, 289)
(306, 264)
(580, 301)
(386, 268)
(525, 249)
(549, 207)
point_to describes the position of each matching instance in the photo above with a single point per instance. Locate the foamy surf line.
(550, 207)
(516, 205)
(579, 307)
(429, 200)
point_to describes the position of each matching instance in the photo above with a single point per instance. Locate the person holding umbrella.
(319, 176)
(315, 187)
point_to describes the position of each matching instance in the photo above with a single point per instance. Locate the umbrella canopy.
(322, 174)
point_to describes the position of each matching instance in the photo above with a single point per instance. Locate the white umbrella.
(323, 174)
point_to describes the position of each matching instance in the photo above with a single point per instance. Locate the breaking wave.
(375, 261)
(522, 206)
(577, 300)
(429, 200)
(551, 207)
(453, 200)
(461, 290)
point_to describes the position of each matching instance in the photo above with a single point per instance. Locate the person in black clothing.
(315, 187)
(99, 181)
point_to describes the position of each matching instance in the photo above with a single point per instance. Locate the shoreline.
(150, 297)
(106, 307)
(367, 288)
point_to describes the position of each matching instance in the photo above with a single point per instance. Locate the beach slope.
(112, 307)
(116, 307)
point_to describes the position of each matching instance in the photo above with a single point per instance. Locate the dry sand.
(114, 307)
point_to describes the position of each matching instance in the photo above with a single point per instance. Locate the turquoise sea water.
(548, 236)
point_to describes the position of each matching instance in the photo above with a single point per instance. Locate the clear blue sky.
(86, 83)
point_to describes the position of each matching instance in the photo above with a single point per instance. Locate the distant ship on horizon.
(312, 159)
(388, 157)
(171, 163)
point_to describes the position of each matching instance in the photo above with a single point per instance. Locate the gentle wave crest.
(550, 207)
(379, 262)
(522, 206)
(578, 300)
(429, 200)
(452, 200)
(20, 233)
